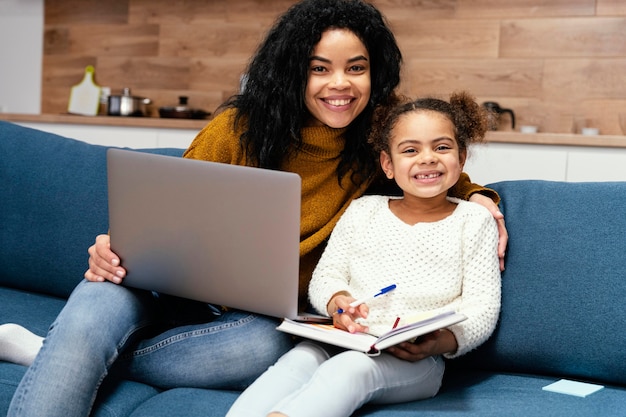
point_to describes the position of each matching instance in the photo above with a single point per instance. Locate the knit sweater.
(447, 264)
(323, 198)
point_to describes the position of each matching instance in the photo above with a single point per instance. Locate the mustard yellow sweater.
(323, 199)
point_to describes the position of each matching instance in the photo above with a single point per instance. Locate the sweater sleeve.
(332, 273)
(218, 142)
(464, 188)
(480, 300)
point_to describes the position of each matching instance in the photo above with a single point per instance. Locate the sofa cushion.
(188, 402)
(481, 394)
(484, 394)
(53, 202)
(31, 310)
(121, 398)
(564, 284)
(114, 399)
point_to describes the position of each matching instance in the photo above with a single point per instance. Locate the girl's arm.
(329, 289)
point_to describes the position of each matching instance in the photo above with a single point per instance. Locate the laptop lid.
(213, 232)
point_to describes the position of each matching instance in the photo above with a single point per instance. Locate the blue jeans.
(162, 341)
(313, 380)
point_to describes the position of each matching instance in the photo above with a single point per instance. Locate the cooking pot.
(128, 105)
(182, 111)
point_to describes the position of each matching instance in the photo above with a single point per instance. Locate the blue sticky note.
(579, 389)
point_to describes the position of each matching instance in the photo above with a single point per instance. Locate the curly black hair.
(467, 116)
(271, 108)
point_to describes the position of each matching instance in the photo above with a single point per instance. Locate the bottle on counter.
(103, 109)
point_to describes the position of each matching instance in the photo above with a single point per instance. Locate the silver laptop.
(218, 233)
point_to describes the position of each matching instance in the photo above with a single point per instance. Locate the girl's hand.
(104, 264)
(346, 319)
(431, 344)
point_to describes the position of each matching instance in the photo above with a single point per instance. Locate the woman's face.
(339, 84)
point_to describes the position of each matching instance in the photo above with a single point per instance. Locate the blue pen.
(366, 299)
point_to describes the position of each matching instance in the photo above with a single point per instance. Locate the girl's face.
(424, 156)
(339, 85)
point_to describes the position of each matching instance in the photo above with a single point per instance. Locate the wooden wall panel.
(447, 38)
(417, 9)
(486, 77)
(579, 37)
(263, 12)
(176, 12)
(552, 61)
(218, 74)
(611, 7)
(138, 72)
(64, 70)
(506, 9)
(97, 39)
(85, 11)
(216, 39)
(581, 79)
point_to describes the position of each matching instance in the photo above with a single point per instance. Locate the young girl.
(312, 87)
(440, 251)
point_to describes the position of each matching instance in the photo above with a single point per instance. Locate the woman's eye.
(357, 68)
(318, 68)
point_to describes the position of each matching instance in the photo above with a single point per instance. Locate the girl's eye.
(409, 150)
(443, 148)
(318, 68)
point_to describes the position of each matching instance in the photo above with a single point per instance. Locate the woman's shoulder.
(218, 141)
(223, 121)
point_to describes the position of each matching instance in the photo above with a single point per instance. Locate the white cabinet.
(493, 162)
(122, 136)
(596, 164)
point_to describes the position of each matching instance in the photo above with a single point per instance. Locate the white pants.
(309, 381)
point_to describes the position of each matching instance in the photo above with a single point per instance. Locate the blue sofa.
(564, 289)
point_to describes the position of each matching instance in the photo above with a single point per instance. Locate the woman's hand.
(431, 344)
(104, 264)
(497, 214)
(346, 319)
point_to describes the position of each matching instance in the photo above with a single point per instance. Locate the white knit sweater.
(451, 263)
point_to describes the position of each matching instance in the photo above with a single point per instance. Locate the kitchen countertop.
(562, 139)
(149, 122)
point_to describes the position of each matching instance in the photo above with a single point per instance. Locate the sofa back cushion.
(564, 286)
(53, 203)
